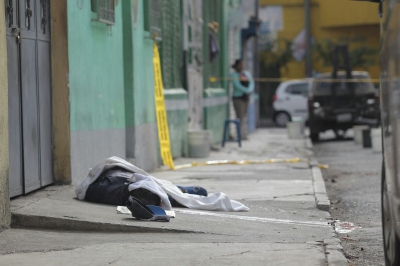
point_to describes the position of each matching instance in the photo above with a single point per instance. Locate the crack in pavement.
(120, 256)
(40, 197)
(293, 195)
(36, 251)
(234, 254)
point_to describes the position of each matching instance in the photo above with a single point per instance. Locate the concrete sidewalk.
(288, 222)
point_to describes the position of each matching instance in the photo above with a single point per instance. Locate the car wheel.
(281, 119)
(314, 136)
(391, 242)
(340, 134)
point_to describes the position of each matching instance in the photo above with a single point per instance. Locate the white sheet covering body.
(214, 201)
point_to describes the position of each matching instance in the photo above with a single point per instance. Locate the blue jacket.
(239, 89)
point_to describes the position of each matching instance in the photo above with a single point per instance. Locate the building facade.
(82, 84)
(332, 22)
(340, 21)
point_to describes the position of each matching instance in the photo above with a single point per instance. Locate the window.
(171, 44)
(153, 17)
(298, 89)
(105, 10)
(362, 87)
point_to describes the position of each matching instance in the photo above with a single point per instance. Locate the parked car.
(290, 100)
(342, 106)
(390, 122)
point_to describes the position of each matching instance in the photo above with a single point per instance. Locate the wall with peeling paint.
(5, 215)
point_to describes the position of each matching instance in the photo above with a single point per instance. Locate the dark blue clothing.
(110, 188)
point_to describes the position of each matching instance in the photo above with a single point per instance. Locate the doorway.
(29, 95)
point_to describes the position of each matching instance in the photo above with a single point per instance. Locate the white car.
(290, 100)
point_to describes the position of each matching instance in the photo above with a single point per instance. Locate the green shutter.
(171, 45)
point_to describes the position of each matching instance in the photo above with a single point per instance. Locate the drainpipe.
(256, 57)
(307, 15)
(257, 67)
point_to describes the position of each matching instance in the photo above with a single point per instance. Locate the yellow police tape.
(215, 79)
(161, 113)
(243, 162)
(163, 132)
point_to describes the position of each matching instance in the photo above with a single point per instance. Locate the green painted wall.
(143, 77)
(214, 121)
(177, 121)
(177, 125)
(96, 76)
(215, 115)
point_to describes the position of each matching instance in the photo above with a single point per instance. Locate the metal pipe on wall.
(257, 66)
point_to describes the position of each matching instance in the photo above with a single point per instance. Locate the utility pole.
(307, 15)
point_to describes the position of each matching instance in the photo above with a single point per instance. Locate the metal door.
(28, 50)
(14, 98)
(44, 91)
(193, 43)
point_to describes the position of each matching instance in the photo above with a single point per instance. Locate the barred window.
(105, 10)
(153, 17)
(171, 45)
(212, 12)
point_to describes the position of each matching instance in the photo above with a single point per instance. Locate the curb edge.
(334, 252)
(333, 247)
(70, 224)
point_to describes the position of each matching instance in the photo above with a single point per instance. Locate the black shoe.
(143, 212)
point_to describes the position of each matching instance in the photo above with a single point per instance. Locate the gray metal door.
(14, 98)
(28, 49)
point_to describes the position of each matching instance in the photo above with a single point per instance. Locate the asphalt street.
(353, 186)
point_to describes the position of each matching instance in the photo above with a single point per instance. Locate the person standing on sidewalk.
(243, 86)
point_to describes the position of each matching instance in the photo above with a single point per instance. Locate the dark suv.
(341, 105)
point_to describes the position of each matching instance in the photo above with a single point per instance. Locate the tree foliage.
(362, 56)
(272, 59)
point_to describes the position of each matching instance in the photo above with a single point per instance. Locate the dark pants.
(241, 107)
(112, 187)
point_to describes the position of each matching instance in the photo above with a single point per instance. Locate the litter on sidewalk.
(117, 182)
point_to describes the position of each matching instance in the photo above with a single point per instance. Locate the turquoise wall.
(176, 101)
(143, 77)
(112, 83)
(214, 121)
(215, 114)
(177, 125)
(216, 92)
(96, 75)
